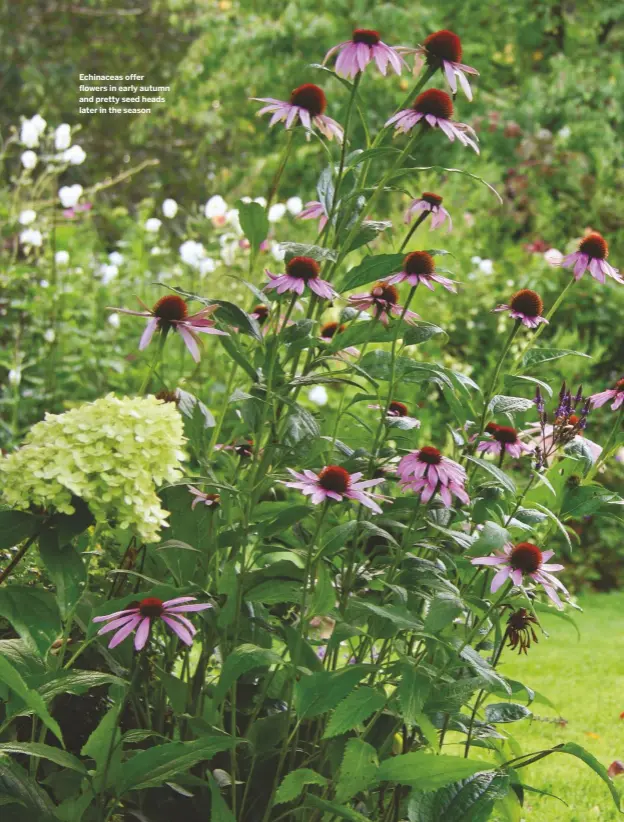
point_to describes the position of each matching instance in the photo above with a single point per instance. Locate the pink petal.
(142, 634)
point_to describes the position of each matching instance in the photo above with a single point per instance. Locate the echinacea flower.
(419, 267)
(434, 108)
(206, 499)
(526, 306)
(142, 616)
(364, 46)
(260, 313)
(429, 202)
(300, 272)
(616, 394)
(307, 104)
(398, 414)
(525, 558)
(503, 438)
(426, 472)
(592, 254)
(312, 210)
(335, 483)
(520, 630)
(383, 300)
(171, 312)
(329, 330)
(443, 50)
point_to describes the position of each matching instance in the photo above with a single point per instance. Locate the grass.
(585, 680)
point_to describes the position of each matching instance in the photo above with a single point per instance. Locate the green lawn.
(585, 680)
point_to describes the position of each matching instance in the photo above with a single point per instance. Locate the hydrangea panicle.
(112, 453)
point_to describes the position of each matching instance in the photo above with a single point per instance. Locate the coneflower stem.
(280, 169)
(343, 152)
(409, 234)
(495, 376)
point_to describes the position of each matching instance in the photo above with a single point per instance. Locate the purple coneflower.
(383, 299)
(300, 272)
(171, 312)
(443, 50)
(426, 471)
(144, 613)
(526, 306)
(364, 46)
(329, 330)
(616, 394)
(433, 203)
(205, 499)
(503, 438)
(335, 483)
(398, 411)
(524, 558)
(434, 108)
(520, 630)
(307, 104)
(592, 254)
(419, 267)
(312, 210)
(260, 313)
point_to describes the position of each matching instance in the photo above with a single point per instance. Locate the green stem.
(343, 151)
(280, 169)
(495, 376)
(155, 361)
(409, 234)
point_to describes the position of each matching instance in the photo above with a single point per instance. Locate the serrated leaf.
(427, 772)
(56, 755)
(34, 615)
(305, 250)
(320, 692)
(244, 658)
(358, 770)
(324, 596)
(483, 668)
(293, 784)
(420, 331)
(13, 679)
(469, 800)
(15, 783)
(499, 712)
(398, 615)
(15, 527)
(536, 356)
(152, 767)
(369, 231)
(371, 269)
(341, 811)
(353, 710)
(509, 405)
(494, 471)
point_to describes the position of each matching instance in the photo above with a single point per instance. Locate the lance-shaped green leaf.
(427, 772)
(353, 710)
(358, 770)
(254, 222)
(13, 679)
(371, 269)
(293, 784)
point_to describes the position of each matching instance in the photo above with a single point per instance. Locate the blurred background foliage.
(549, 109)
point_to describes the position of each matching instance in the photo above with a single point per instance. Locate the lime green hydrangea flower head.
(112, 453)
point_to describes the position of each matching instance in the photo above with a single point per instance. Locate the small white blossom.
(61, 257)
(294, 205)
(207, 266)
(553, 256)
(29, 160)
(169, 208)
(245, 199)
(69, 195)
(62, 137)
(233, 219)
(75, 155)
(565, 132)
(215, 207)
(261, 201)
(27, 216)
(44, 284)
(114, 320)
(192, 253)
(318, 395)
(49, 335)
(15, 377)
(278, 252)
(156, 251)
(31, 237)
(276, 212)
(153, 224)
(115, 258)
(108, 273)
(486, 267)
(475, 260)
